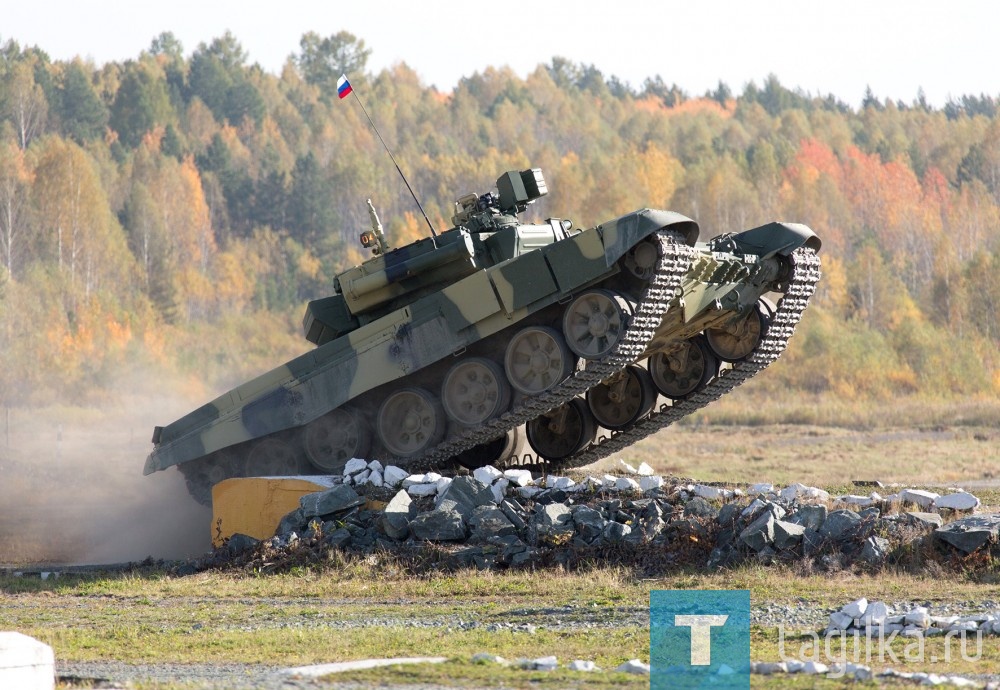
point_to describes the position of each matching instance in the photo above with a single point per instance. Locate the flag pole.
(365, 111)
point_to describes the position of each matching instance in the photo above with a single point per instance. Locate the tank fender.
(621, 234)
(776, 238)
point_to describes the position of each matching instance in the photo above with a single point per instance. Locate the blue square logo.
(699, 639)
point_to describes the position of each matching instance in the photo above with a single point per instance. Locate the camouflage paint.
(478, 280)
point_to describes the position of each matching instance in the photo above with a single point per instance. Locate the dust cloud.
(72, 490)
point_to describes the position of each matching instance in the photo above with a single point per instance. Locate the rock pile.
(861, 672)
(495, 518)
(874, 625)
(878, 619)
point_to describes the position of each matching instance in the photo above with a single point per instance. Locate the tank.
(501, 342)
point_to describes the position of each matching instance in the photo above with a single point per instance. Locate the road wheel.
(594, 322)
(562, 432)
(684, 369)
(537, 359)
(410, 421)
(336, 437)
(475, 390)
(622, 400)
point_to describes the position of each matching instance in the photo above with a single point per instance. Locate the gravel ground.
(800, 615)
(113, 675)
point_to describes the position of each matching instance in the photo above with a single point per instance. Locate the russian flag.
(343, 86)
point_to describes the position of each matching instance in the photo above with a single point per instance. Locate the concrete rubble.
(501, 518)
(862, 673)
(551, 663)
(876, 618)
(875, 621)
(320, 670)
(25, 663)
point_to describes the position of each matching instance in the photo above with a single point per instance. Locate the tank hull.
(436, 353)
(408, 340)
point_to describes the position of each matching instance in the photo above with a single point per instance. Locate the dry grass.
(360, 611)
(823, 456)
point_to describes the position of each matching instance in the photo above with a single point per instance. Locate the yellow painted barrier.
(255, 505)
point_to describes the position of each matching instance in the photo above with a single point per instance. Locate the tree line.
(159, 211)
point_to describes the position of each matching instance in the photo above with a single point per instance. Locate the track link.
(674, 261)
(800, 288)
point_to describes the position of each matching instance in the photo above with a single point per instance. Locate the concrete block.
(255, 505)
(26, 663)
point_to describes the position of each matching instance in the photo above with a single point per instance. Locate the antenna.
(344, 89)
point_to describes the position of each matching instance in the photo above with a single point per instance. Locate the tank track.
(800, 288)
(675, 259)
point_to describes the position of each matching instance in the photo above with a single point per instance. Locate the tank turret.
(499, 341)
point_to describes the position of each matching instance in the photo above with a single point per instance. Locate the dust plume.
(72, 489)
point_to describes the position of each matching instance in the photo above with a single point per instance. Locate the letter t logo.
(701, 636)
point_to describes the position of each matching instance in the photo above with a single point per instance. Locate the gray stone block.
(875, 550)
(340, 538)
(552, 520)
(294, 521)
(809, 516)
(438, 525)
(919, 519)
(515, 513)
(699, 507)
(760, 532)
(335, 500)
(489, 521)
(970, 533)
(840, 525)
(787, 535)
(615, 532)
(588, 522)
(239, 543)
(728, 514)
(468, 493)
(812, 542)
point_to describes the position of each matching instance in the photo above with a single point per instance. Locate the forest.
(172, 214)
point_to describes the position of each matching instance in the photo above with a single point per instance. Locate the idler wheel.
(684, 369)
(496, 452)
(202, 474)
(410, 421)
(272, 457)
(197, 482)
(537, 359)
(336, 437)
(736, 341)
(475, 390)
(623, 399)
(594, 322)
(640, 261)
(220, 465)
(562, 432)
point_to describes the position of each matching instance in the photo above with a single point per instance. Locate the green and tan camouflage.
(465, 346)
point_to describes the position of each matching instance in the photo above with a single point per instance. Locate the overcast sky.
(839, 47)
